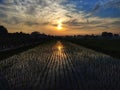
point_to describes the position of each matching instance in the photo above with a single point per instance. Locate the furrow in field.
(60, 66)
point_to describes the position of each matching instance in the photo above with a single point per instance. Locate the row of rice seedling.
(61, 66)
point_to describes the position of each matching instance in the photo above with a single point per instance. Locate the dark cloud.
(96, 7)
(69, 16)
(115, 3)
(3, 15)
(49, 12)
(95, 22)
(87, 27)
(109, 3)
(12, 20)
(115, 23)
(35, 23)
(31, 23)
(74, 22)
(55, 25)
(31, 10)
(103, 26)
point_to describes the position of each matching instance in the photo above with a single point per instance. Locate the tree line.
(19, 39)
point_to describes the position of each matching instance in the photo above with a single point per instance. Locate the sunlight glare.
(59, 48)
(59, 25)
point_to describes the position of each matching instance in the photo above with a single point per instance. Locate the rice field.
(60, 66)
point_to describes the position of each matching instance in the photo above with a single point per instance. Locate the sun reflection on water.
(59, 48)
(59, 51)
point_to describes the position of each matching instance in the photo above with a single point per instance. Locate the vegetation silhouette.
(107, 42)
(62, 65)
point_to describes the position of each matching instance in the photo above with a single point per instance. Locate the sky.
(70, 16)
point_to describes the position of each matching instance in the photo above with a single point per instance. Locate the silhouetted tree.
(35, 33)
(3, 30)
(107, 34)
(116, 35)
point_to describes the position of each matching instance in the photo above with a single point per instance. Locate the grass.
(72, 68)
(107, 46)
(11, 52)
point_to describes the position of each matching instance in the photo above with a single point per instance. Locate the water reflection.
(59, 46)
(58, 50)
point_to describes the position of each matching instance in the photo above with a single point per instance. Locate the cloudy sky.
(73, 16)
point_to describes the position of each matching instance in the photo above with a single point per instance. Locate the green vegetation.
(73, 67)
(107, 46)
(8, 53)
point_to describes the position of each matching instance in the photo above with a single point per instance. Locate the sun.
(59, 27)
